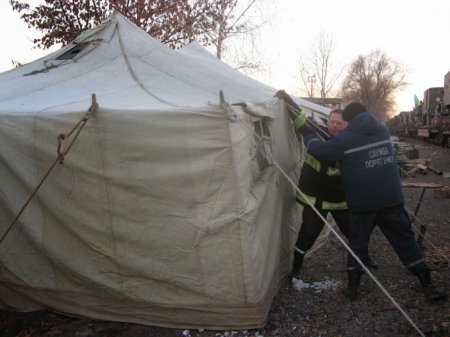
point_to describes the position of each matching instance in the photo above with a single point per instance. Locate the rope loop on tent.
(62, 146)
(62, 151)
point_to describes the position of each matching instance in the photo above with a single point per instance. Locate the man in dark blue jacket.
(373, 193)
(321, 186)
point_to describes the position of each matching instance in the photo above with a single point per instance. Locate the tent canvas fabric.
(167, 210)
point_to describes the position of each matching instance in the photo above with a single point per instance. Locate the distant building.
(329, 102)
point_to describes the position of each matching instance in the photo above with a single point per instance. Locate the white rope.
(275, 163)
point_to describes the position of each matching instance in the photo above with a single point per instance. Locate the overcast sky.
(414, 33)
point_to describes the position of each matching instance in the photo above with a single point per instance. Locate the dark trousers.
(312, 226)
(395, 224)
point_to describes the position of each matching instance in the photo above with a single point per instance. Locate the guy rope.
(63, 149)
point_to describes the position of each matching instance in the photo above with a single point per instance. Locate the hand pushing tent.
(168, 210)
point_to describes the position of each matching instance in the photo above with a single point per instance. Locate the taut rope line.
(62, 151)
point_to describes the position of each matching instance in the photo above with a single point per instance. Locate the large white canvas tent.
(168, 210)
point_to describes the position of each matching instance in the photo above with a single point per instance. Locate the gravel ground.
(311, 311)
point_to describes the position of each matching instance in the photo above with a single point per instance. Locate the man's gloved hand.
(300, 120)
(292, 107)
(302, 124)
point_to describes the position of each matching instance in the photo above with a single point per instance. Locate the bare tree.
(173, 22)
(236, 37)
(231, 21)
(373, 80)
(16, 64)
(318, 70)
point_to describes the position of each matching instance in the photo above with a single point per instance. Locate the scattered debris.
(409, 162)
(298, 284)
(420, 165)
(405, 150)
(325, 285)
(425, 185)
(443, 192)
(439, 260)
(318, 287)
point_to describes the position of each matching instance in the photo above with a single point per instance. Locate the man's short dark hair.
(336, 111)
(352, 110)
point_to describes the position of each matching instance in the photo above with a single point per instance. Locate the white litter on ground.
(318, 287)
(325, 285)
(298, 284)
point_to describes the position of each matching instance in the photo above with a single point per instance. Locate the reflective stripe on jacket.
(321, 184)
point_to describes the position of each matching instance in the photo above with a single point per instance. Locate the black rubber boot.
(430, 291)
(354, 277)
(298, 264)
(371, 263)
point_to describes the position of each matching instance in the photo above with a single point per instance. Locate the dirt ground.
(313, 311)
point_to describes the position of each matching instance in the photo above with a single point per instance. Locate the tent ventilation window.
(264, 144)
(72, 52)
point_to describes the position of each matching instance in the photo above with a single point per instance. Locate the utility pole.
(312, 81)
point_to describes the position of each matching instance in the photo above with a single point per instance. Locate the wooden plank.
(425, 185)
